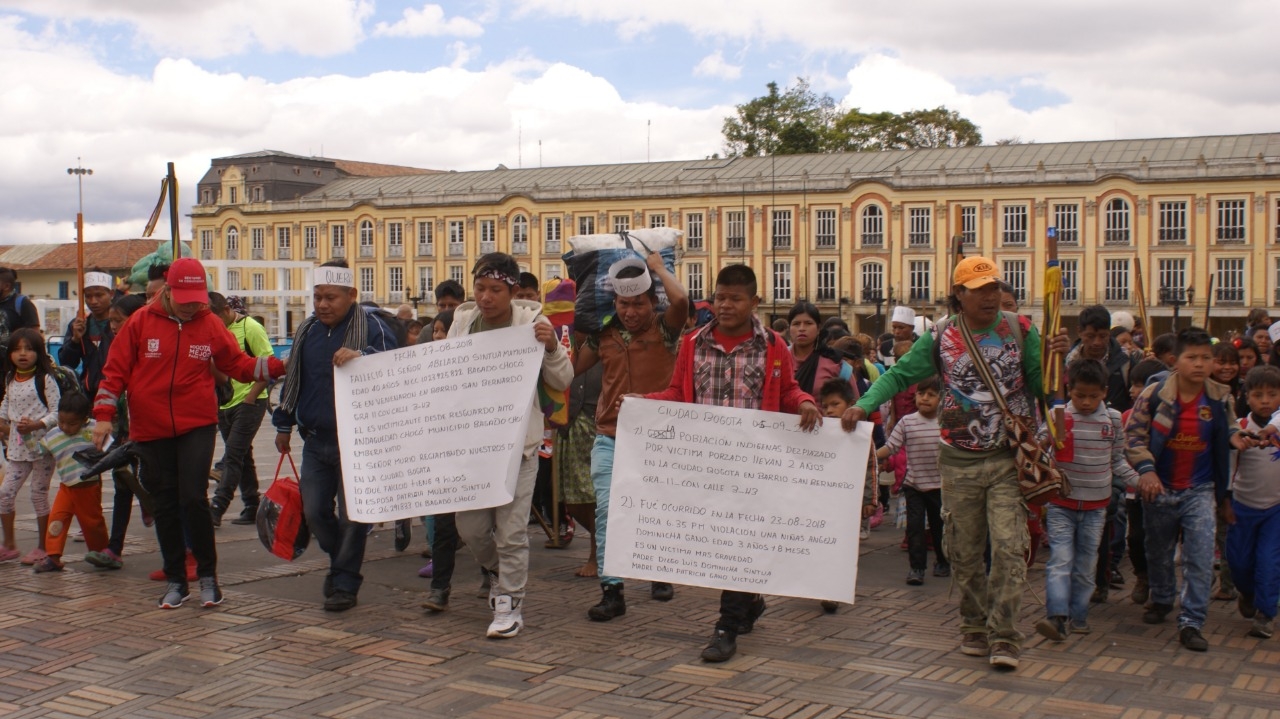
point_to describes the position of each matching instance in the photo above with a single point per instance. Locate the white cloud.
(429, 22)
(217, 28)
(60, 103)
(714, 65)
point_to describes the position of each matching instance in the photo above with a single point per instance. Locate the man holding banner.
(638, 351)
(734, 361)
(499, 536)
(336, 333)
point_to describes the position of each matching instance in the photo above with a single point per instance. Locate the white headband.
(337, 276)
(630, 286)
(98, 279)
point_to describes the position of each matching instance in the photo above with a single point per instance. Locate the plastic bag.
(590, 272)
(282, 527)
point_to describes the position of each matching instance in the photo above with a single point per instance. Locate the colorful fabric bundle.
(557, 306)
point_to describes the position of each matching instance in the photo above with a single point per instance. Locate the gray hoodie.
(557, 371)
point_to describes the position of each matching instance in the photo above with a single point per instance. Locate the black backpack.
(68, 384)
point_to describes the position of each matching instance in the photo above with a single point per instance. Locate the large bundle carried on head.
(592, 256)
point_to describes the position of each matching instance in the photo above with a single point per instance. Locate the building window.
(64, 290)
(781, 229)
(824, 229)
(233, 243)
(259, 281)
(1231, 214)
(1014, 273)
(395, 283)
(782, 282)
(920, 232)
(621, 223)
(1172, 275)
(1278, 220)
(872, 226)
(551, 236)
(310, 242)
(457, 241)
(338, 239)
(551, 270)
(1278, 280)
(735, 231)
(1116, 230)
(488, 237)
(520, 235)
(586, 225)
(969, 226)
(231, 193)
(206, 244)
(284, 242)
(395, 239)
(826, 281)
(1015, 224)
(366, 239)
(366, 283)
(233, 280)
(258, 242)
(1070, 280)
(257, 193)
(693, 280)
(872, 282)
(206, 197)
(1066, 218)
(920, 287)
(426, 238)
(426, 283)
(693, 231)
(1115, 275)
(1230, 284)
(657, 220)
(456, 273)
(1173, 223)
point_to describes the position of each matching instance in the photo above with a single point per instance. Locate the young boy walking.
(78, 498)
(1253, 510)
(1093, 460)
(920, 434)
(1179, 438)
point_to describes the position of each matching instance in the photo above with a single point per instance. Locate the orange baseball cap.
(975, 272)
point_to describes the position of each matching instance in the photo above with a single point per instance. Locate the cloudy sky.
(130, 84)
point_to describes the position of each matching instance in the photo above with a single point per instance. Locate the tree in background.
(798, 120)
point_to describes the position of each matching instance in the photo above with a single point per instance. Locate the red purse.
(282, 527)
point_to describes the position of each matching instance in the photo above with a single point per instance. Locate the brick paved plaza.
(89, 643)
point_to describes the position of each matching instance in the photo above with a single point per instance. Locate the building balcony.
(284, 253)
(233, 253)
(206, 254)
(1229, 295)
(873, 240)
(366, 296)
(426, 249)
(457, 249)
(487, 246)
(919, 240)
(395, 251)
(1115, 238)
(1172, 236)
(395, 297)
(338, 251)
(259, 254)
(519, 248)
(782, 243)
(366, 251)
(736, 244)
(310, 253)
(1231, 235)
(1068, 237)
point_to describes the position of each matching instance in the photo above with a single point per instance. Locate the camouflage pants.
(981, 499)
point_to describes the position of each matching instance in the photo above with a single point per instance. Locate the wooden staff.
(172, 180)
(1208, 300)
(1141, 287)
(1051, 362)
(80, 262)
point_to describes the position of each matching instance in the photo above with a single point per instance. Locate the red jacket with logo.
(163, 364)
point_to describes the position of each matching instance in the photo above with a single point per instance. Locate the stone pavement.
(90, 643)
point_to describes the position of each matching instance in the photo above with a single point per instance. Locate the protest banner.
(436, 427)
(736, 499)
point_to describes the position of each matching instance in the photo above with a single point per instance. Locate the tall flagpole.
(172, 179)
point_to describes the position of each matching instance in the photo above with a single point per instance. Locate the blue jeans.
(602, 479)
(339, 537)
(1073, 555)
(1192, 511)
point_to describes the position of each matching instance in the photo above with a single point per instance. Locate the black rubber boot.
(611, 605)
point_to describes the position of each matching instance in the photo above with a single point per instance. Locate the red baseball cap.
(186, 280)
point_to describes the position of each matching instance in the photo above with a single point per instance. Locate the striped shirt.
(1256, 483)
(62, 447)
(1092, 453)
(922, 437)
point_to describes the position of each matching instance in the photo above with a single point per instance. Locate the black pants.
(444, 550)
(238, 426)
(735, 609)
(176, 473)
(542, 489)
(921, 506)
(121, 512)
(1137, 536)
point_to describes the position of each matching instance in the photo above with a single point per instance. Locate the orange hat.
(975, 272)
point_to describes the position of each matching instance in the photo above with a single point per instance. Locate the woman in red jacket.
(161, 358)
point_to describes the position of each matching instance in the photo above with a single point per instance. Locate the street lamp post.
(80, 171)
(872, 296)
(1176, 297)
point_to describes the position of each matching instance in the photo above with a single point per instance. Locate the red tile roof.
(107, 254)
(373, 169)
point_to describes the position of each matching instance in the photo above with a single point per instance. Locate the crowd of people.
(1168, 444)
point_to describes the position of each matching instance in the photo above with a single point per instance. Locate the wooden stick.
(80, 263)
(172, 180)
(1208, 300)
(1052, 323)
(1141, 286)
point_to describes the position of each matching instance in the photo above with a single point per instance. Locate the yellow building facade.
(853, 233)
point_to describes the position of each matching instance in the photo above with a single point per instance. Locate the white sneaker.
(864, 533)
(507, 620)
